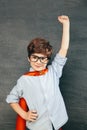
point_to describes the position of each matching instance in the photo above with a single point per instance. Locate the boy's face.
(38, 61)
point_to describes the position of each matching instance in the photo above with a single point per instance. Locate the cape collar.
(36, 73)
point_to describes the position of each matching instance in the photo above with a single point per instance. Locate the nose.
(38, 61)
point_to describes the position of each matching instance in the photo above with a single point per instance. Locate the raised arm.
(64, 20)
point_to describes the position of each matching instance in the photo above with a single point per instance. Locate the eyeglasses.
(34, 58)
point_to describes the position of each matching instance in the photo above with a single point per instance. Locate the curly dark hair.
(39, 45)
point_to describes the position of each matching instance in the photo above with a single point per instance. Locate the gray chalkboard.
(22, 20)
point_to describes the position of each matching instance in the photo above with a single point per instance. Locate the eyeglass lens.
(35, 58)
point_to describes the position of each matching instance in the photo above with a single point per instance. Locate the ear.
(28, 59)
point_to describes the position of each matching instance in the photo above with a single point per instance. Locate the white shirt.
(42, 93)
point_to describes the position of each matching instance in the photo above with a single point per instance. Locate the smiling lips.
(38, 65)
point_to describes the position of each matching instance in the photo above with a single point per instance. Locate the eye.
(35, 57)
(44, 58)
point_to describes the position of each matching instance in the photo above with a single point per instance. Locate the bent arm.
(16, 107)
(65, 36)
(30, 115)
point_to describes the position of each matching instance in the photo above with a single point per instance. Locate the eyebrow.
(39, 56)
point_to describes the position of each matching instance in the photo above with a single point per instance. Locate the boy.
(41, 89)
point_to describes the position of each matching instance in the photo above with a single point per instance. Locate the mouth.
(38, 66)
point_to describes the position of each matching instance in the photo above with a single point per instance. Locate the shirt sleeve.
(15, 93)
(58, 64)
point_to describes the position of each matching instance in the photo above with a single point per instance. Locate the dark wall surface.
(22, 20)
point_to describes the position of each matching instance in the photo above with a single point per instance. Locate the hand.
(31, 116)
(63, 19)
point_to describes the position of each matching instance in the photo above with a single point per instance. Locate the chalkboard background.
(22, 20)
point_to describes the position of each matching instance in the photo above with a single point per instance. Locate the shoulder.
(59, 60)
(23, 77)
